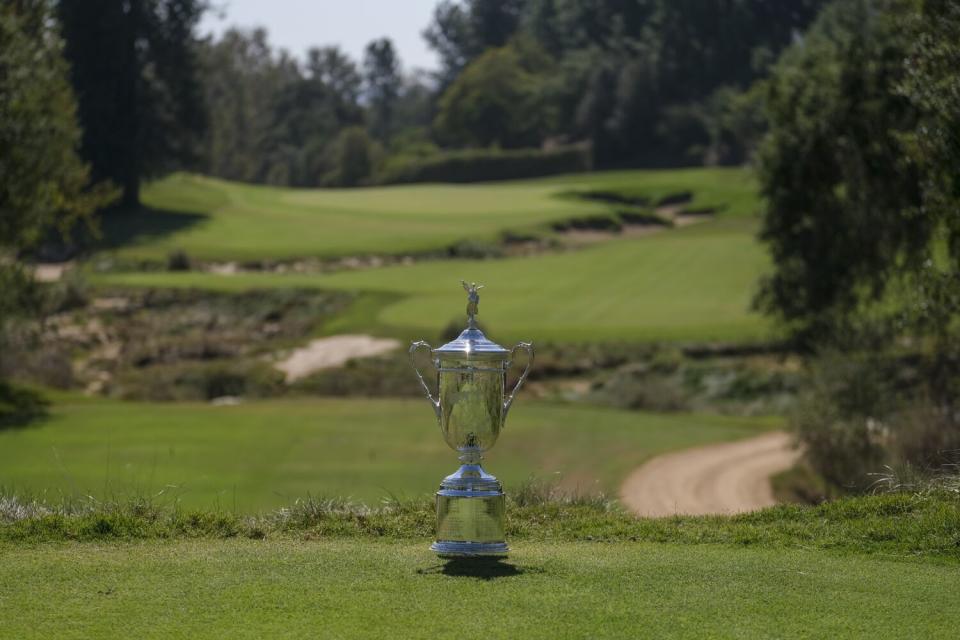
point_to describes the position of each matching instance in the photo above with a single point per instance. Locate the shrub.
(498, 99)
(867, 412)
(23, 358)
(20, 406)
(474, 250)
(201, 381)
(355, 155)
(643, 217)
(70, 292)
(590, 223)
(388, 375)
(489, 164)
(178, 260)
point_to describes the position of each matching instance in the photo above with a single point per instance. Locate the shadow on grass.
(479, 568)
(125, 226)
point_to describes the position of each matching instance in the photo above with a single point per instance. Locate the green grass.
(686, 285)
(734, 191)
(354, 588)
(214, 219)
(875, 566)
(264, 454)
(691, 284)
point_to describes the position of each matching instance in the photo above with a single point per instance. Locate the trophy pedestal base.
(447, 549)
(470, 515)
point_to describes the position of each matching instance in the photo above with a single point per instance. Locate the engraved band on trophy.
(471, 408)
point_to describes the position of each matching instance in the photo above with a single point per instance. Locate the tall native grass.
(902, 523)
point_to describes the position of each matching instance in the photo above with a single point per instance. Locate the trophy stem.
(470, 456)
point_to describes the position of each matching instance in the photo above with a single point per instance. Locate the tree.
(842, 196)
(134, 67)
(639, 76)
(932, 85)
(416, 103)
(355, 156)
(334, 69)
(241, 78)
(461, 32)
(304, 121)
(383, 80)
(495, 101)
(449, 35)
(273, 120)
(43, 182)
(859, 174)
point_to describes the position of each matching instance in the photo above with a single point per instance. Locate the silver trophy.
(471, 409)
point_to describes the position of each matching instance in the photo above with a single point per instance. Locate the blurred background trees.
(382, 75)
(44, 185)
(643, 83)
(498, 100)
(136, 73)
(863, 222)
(640, 83)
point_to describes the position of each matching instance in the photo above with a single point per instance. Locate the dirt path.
(334, 351)
(721, 478)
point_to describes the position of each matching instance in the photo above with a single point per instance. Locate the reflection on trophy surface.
(471, 408)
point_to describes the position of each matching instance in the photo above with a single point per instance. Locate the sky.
(297, 25)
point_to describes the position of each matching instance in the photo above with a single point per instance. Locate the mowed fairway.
(262, 455)
(690, 284)
(362, 588)
(214, 219)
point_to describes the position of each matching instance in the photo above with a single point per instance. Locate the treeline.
(640, 83)
(602, 83)
(326, 120)
(646, 82)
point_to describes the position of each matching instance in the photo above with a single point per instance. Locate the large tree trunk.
(130, 108)
(131, 190)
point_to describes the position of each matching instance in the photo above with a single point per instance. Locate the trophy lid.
(471, 341)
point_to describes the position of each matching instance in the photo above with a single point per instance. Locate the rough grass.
(898, 524)
(263, 454)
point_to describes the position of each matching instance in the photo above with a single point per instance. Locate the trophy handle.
(526, 346)
(413, 361)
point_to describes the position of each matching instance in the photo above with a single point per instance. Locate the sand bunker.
(326, 353)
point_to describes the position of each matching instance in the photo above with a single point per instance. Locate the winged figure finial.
(473, 299)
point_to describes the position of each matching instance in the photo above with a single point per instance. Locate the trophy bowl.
(471, 407)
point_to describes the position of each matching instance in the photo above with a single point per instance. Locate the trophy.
(471, 408)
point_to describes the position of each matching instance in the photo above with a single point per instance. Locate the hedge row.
(490, 164)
